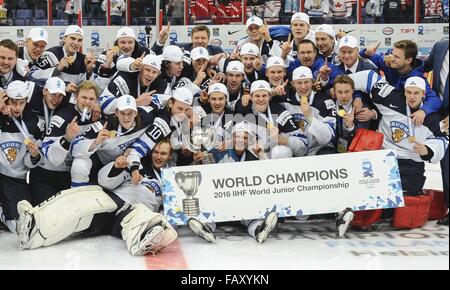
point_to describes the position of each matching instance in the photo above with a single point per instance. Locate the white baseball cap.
(55, 85)
(183, 95)
(348, 41)
(249, 48)
(260, 85)
(199, 52)
(254, 20)
(274, 61)
(173, 53)
(417, 82)
(218, 87)
(302, 72)
(242, 127)
(328, 29)
(38, 34)
(300, 16)
(126, 32)
(235, 66)
(18, 90)
(152, 60)
(74, 29)
(126, 102)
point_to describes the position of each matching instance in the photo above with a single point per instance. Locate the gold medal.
(71, 59)
(115, 49)
(411, 139)
(112, 134)
(27, 141)
(269, 125)
(303, 100)
(341, 113)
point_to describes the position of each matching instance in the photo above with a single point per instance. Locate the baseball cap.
(274, 61)
(300, 16)
(348, 41)
(126, 102)
(173, 53)
(328, 29)
(126, 32)
(249, 48)
(183, 95)
(38, 34)
(74, 29)
(235, 66)
(152, 60)
(242, 127)
(218, 87)
(302, 72)
(55, 85)
(254, 20)
(18, 90)
(260, 85)
(417, 82)
(199, 52)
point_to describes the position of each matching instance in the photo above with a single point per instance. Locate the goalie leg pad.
(415, 213)
(63, 214)
(145, 231)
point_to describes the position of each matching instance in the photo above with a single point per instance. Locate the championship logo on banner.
(290, 187)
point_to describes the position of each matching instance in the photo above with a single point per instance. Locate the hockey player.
(67, 62)
(9, 52)
(53, 174)
(300, 29)
(20, 138)
(319, 130)
(35, 45)
(234, 75)
(94, 149)
(258, 34)
(115, 177)
(244, 149)
(89, 211)
(125, 55)
(414, 144)
(326, 43)
(166, 122)
(144, 85)
(274, 126)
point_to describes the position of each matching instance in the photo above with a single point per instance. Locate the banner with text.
(99, 38)
(291, 187)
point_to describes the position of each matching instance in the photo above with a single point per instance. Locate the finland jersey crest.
(399, 131)
(300, 121)
(11, 149)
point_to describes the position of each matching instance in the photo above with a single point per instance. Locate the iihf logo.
(95, 39)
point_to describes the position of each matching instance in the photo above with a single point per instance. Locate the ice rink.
(293, 245)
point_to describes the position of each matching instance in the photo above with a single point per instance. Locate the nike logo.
(393, 106)
(233, 32)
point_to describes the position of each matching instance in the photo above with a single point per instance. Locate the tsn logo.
(407, 30)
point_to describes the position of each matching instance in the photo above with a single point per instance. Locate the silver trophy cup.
(189, 181)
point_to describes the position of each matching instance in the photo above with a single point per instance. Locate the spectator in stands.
(317, 10)
(272, 12)
(116, 10)
(341, 11)
(432, 11)
(202, 11)
(94, 8)
(288, 8)
(69, 10)
(256, 8)
(392, 11)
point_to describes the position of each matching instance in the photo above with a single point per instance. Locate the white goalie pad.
(65, 213)
(145, 231)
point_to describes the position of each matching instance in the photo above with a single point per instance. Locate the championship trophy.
(189, 181)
